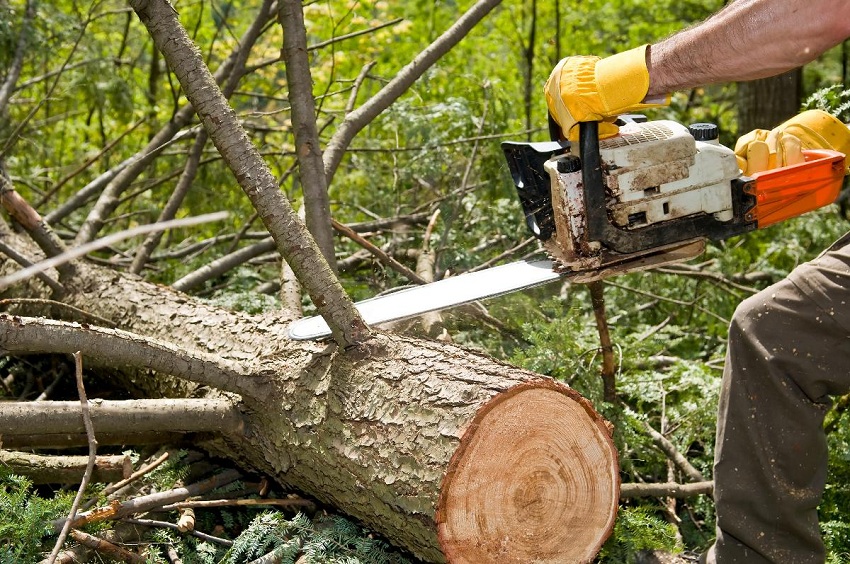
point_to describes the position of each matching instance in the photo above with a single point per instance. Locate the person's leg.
(788, 350)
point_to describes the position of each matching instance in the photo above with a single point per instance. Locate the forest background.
(89, 90)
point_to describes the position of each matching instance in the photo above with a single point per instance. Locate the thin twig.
(107, 548)
(146, 503)
(358, 82)
(696, 272)
(167, 525)
(383, 257)
(52, 386)
(510, 252)
(109, 146)
(673, 454)
(597, 298)
(112, 488)
(82, 250)
(670, 300)
(26, 263)
(84, 407)
(175, 200)
(294, 502)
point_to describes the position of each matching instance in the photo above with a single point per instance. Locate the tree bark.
(411, 437)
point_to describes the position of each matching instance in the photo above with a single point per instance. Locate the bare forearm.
(748, 39)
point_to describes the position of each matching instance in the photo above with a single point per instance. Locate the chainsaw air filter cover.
(656, 172)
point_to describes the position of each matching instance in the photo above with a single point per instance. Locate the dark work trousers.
(788, 352)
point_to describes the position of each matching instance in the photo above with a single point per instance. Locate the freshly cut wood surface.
(534, 480)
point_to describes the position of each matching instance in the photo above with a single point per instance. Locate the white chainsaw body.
(654, 173)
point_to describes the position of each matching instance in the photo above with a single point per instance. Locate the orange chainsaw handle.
(793, 190)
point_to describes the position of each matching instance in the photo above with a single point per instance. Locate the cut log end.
(536, 479)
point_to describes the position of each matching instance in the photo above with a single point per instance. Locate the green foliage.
(834, 99)
(834, 509)
(25, 518)
(204, 553)
(238, 296)
(169, 473)
(638, 528)
(331, 540)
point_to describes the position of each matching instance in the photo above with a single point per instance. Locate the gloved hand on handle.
(761, 150)
(587, 88)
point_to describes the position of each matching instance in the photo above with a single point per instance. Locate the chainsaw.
(652, 195)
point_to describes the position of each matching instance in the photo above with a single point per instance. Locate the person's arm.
(748, 39)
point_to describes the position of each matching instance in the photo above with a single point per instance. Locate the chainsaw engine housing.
(652, 194)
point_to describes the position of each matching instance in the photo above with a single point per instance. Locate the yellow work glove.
(587, 88)
(761, 150)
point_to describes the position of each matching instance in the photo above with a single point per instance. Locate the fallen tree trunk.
(444, 451)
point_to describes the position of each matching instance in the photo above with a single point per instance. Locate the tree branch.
(84, 404)
(222, 264)
(77, 252)
(122, 416)
(673, 454)
(597, 297)
(113, 551)
(42, 469)
(14, 72)
(114, 347)
(169, 211)
(630, 491)
(147, 502)
(317, 205)
(293, 240)
(230, 70)
(360, 118)
(30, 220)
(58, 289)
(383, 257)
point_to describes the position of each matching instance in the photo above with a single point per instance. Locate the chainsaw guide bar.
(443, 294)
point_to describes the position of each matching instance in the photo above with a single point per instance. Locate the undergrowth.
(27, 535)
